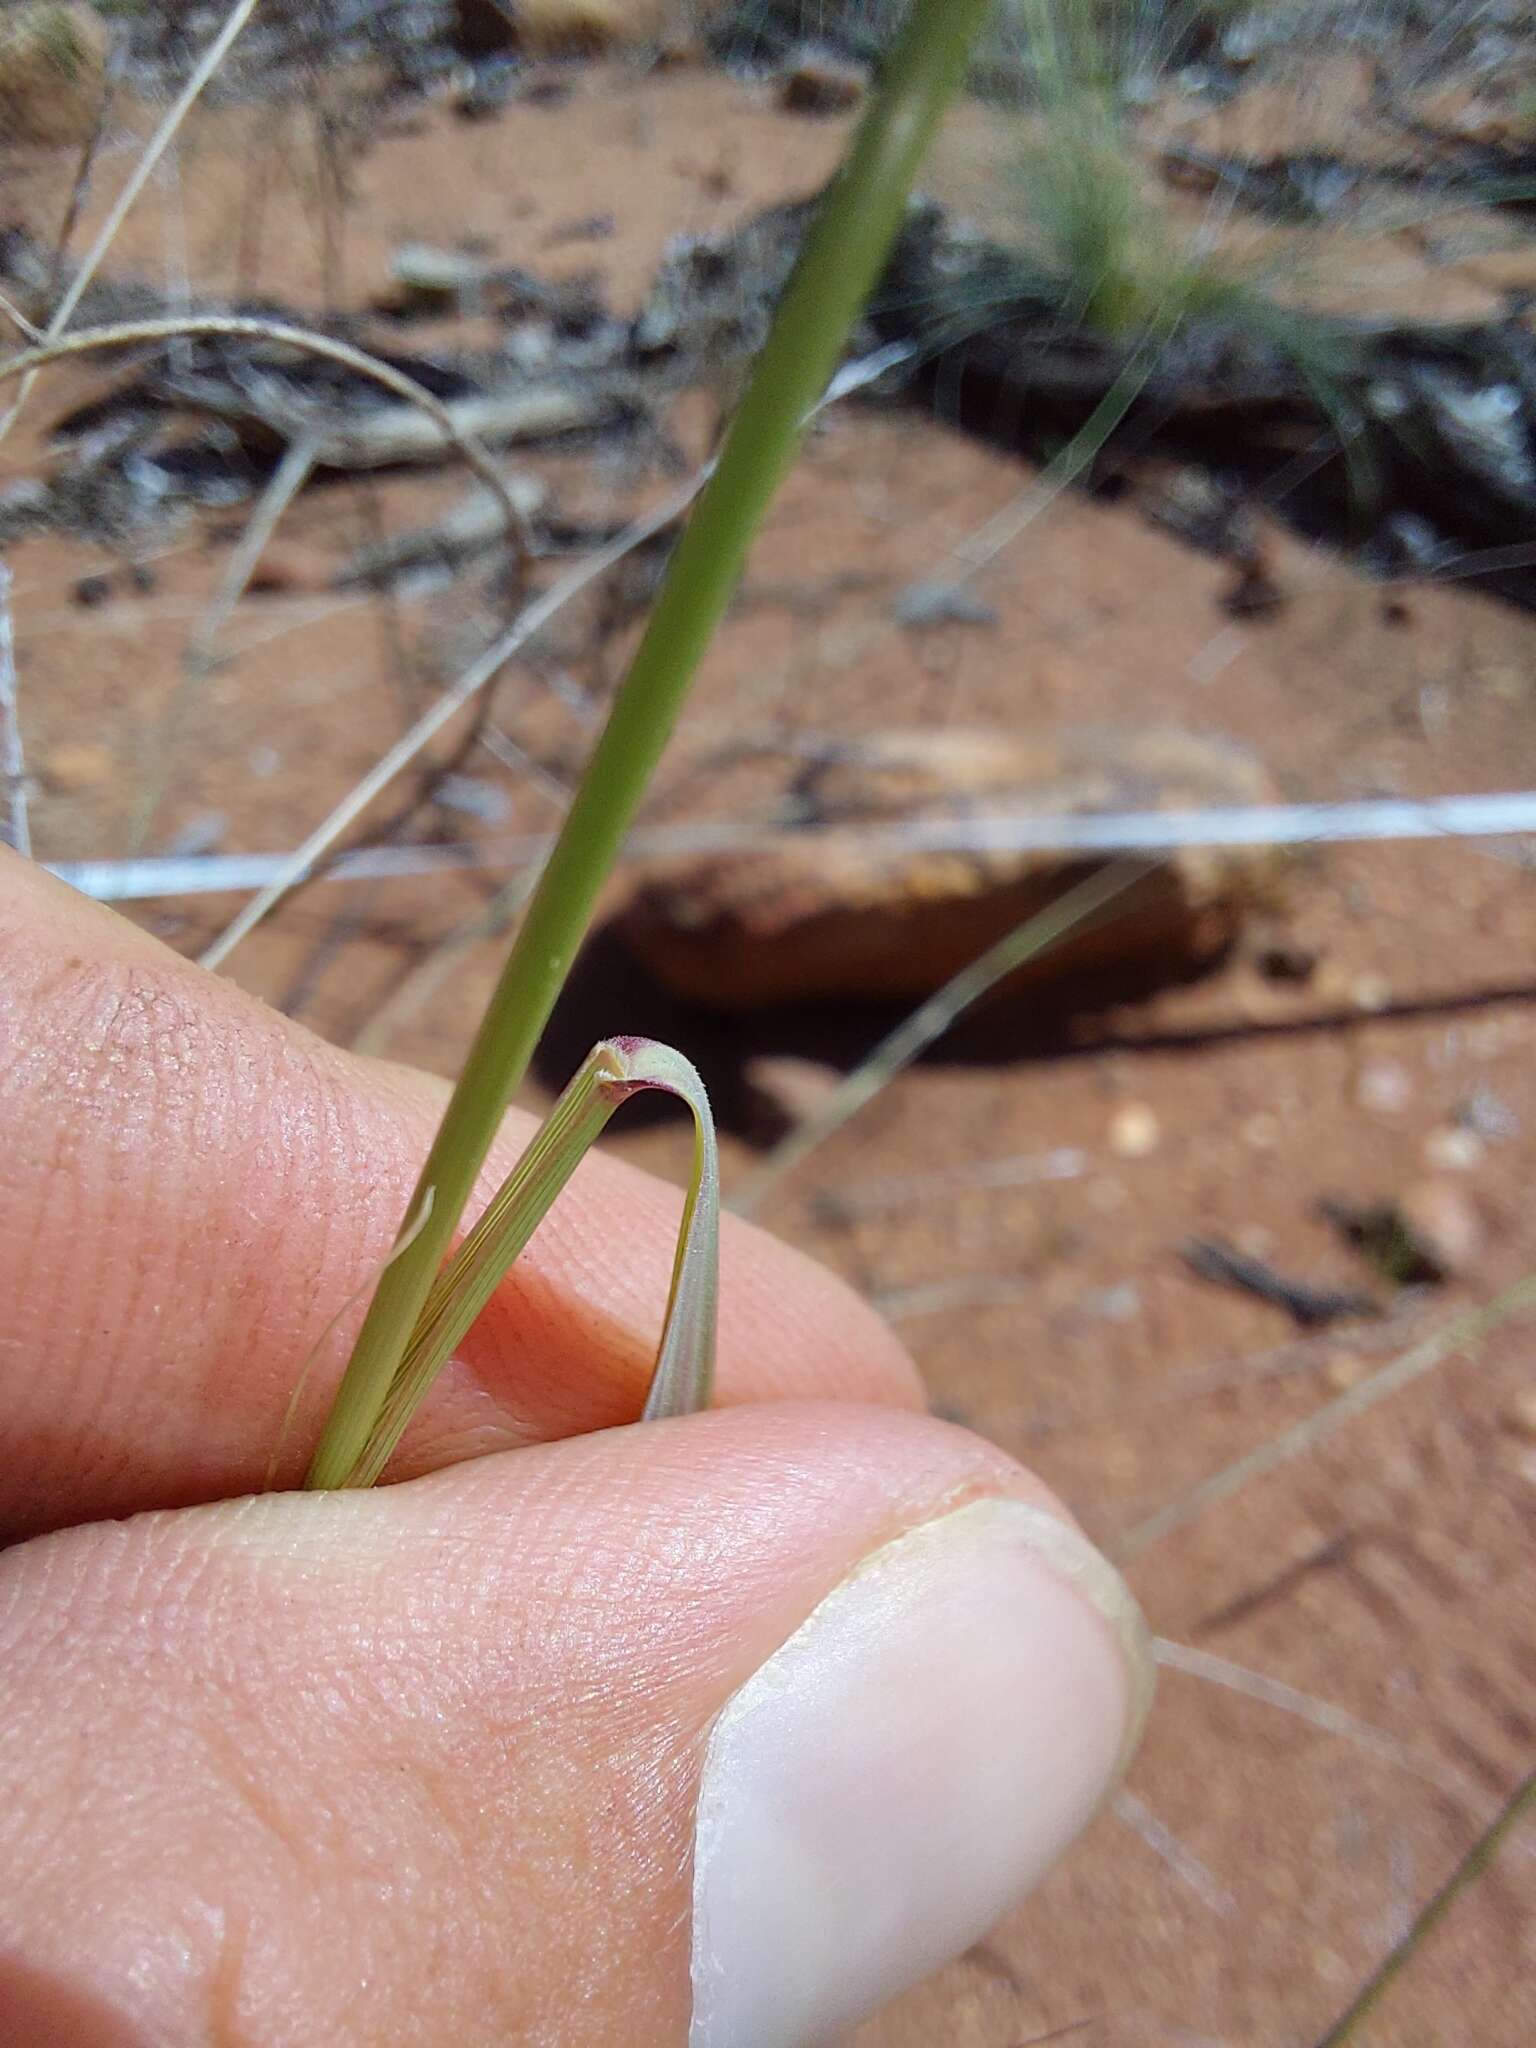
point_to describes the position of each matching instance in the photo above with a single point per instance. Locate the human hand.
(716, 1731)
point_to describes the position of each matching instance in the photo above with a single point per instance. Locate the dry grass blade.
(287, 480)
(354, 1450)
(1180, 1859)
(13, 765)
(912, 1037)
(1520, 1804)
(474, 679)
(18, 319)
(1292, 1443)
(1332, 1720)
(241, 327)
(142, 172)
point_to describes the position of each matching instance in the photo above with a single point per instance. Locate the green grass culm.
(843, 255)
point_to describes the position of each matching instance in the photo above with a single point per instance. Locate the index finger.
(190, 1187)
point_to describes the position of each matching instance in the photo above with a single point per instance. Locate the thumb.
(719, 1731)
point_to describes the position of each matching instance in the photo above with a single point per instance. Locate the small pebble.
(1384, 1087)
(941, 604)
(1370, 992)
(791, 1089)
(819, 83)
(1134, 1131)
(1487, 1115)
(1442, 1225)
(76, 766)
(1286, 960)
(1453, 1151)
(1118, 1304)
(1344, 1370)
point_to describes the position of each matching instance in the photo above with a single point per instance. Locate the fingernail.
(908, 1765)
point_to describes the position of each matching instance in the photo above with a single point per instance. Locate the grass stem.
(1518, 1807)
(844, 253)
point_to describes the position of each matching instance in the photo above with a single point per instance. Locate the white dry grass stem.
(283, 486)
(1307, 1434)
(1388, 819)
(453, 700)
(1195, 1876)
(241, 327)
(140, 176)
(895, 1052)
(1320, 1714)
(13, 765)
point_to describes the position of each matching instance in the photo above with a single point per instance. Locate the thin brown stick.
(80, 184)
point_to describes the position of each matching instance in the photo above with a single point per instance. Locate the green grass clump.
(1114, 260)
(58, 40)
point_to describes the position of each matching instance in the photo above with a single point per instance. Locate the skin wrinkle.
(115, 1019)
(224, 1984)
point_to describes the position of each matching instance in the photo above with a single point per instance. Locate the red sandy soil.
(1387, 1572)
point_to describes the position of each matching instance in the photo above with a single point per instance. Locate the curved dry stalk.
(245, 327)
(19, 320)
(140, 176)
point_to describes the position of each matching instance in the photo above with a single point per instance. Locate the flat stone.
(851, 911)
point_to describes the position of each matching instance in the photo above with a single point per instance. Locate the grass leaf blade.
(353, 1452)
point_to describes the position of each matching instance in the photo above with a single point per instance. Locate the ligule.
(614, 1070)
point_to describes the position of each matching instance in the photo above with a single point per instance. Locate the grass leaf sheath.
(612, 1072)
(843, 255)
